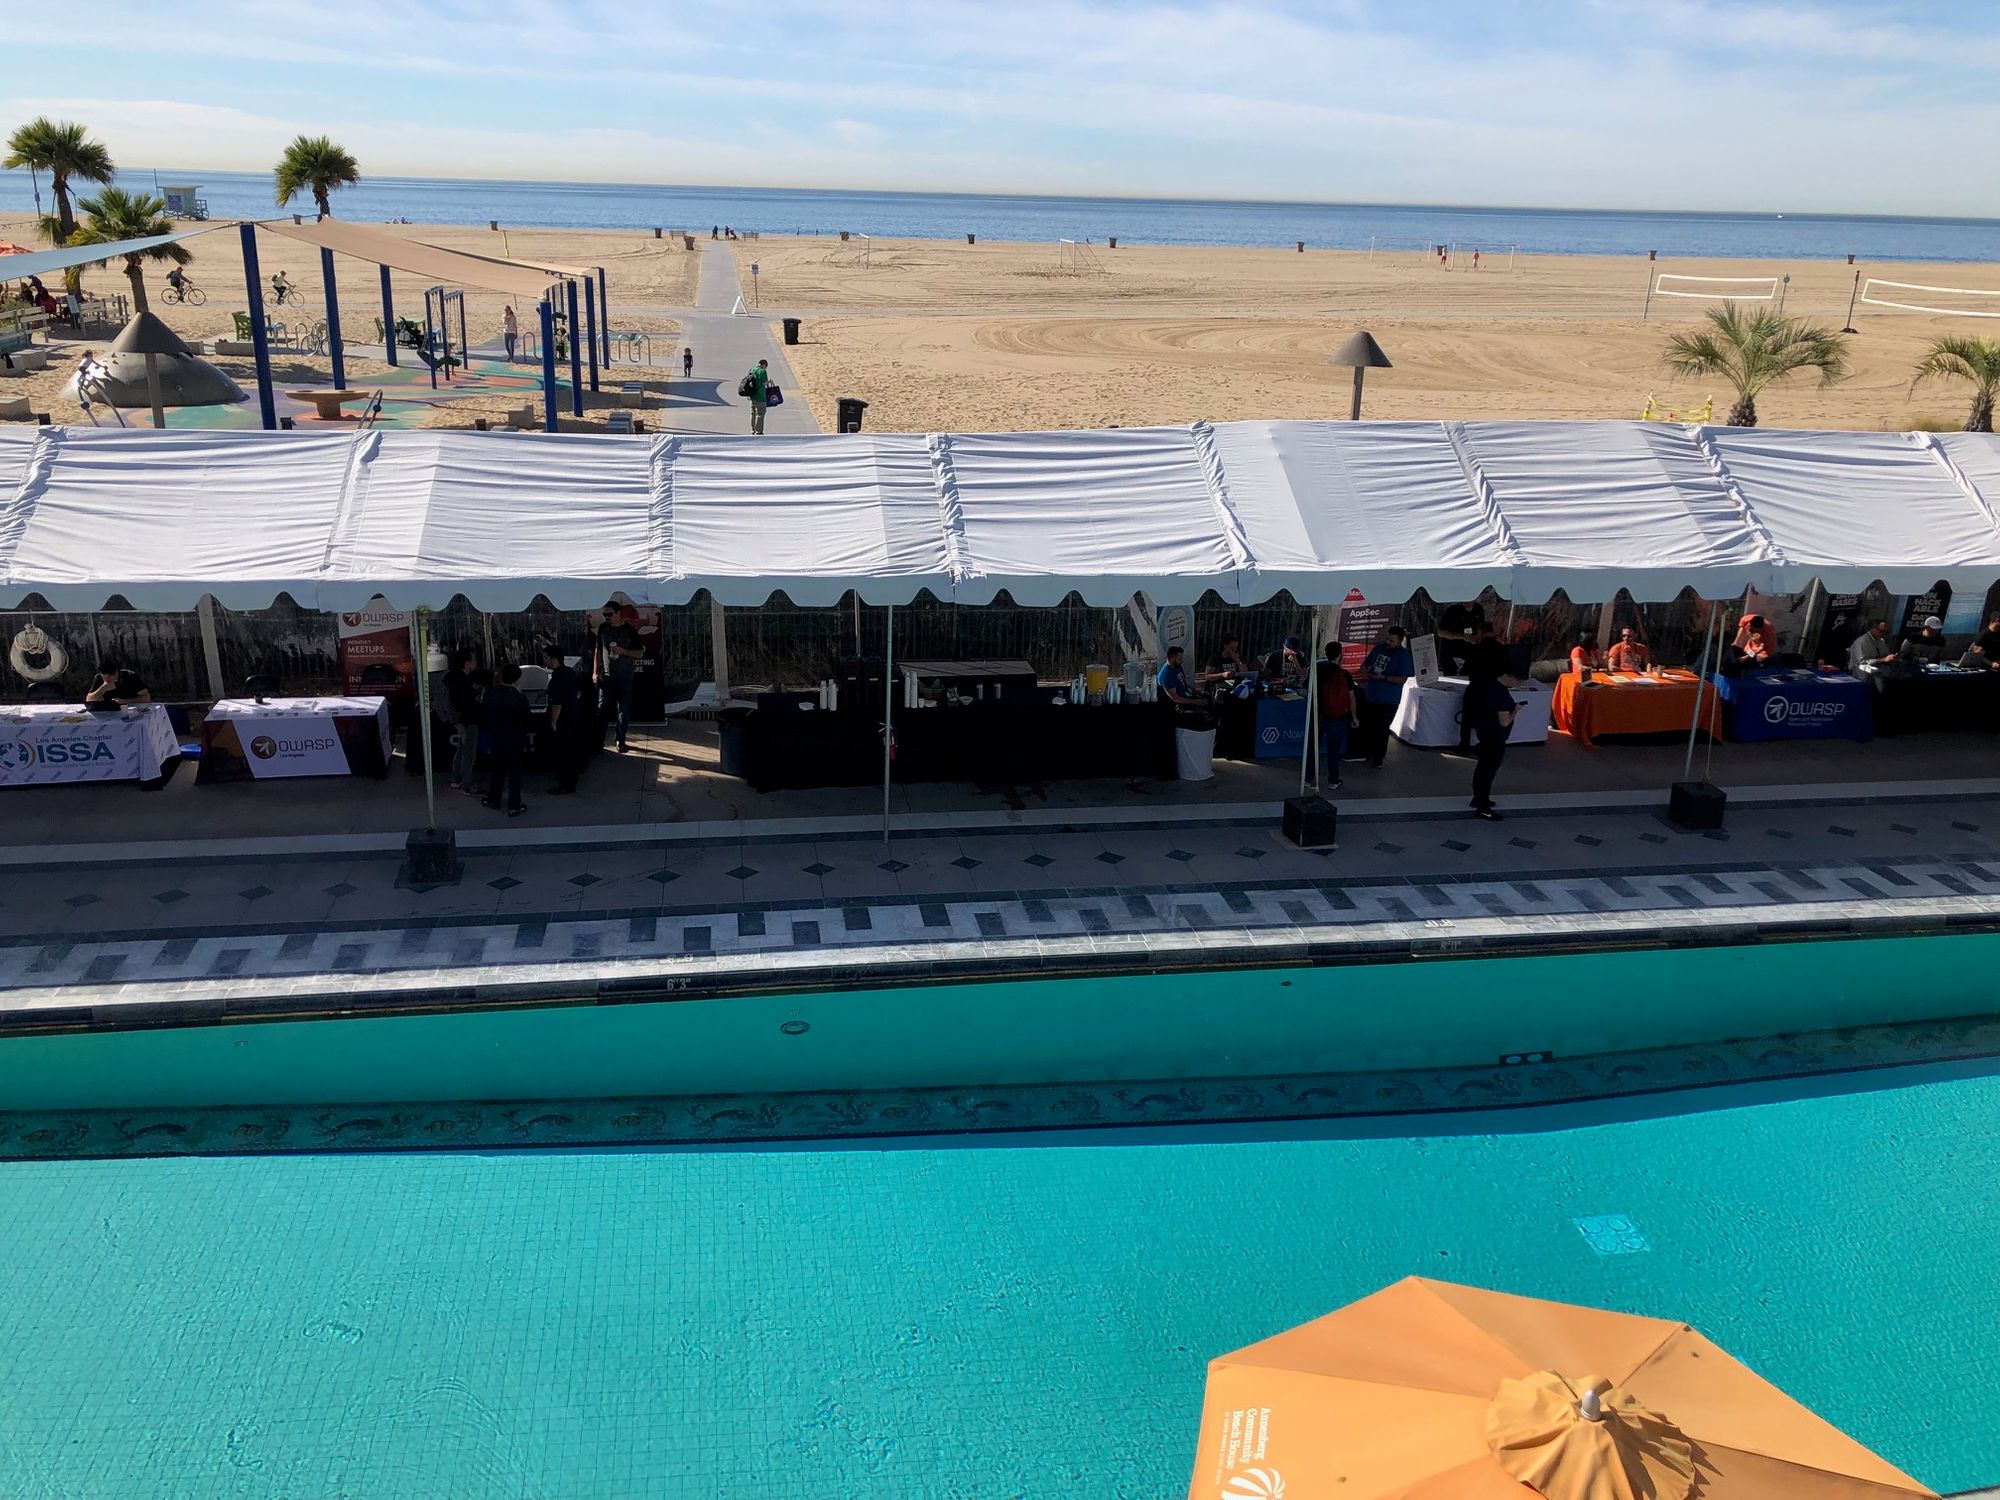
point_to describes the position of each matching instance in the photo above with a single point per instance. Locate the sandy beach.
(644, 277)
(943, 335)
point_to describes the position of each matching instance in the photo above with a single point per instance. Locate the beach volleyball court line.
(1871, 300)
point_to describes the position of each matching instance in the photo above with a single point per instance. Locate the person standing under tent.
(615, 669)
(1386, 668)
(757, 386)
(505, 717)
(1336, 713)
(1490, 706)
(1485, 663)
(565, 730)
(461, 710)
(510, 330)
(687, 363)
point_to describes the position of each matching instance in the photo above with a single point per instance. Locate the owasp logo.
(1784, 711)
(1255, 1484)
(263, 747)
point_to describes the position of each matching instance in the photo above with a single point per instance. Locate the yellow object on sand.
(1431, 1391)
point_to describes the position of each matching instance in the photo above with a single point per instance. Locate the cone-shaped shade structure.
(146, 334)
(1361, 352)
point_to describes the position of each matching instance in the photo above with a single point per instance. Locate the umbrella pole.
(424, 710)
(1694, 724)
(153, 388)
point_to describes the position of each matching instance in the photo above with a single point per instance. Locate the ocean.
(1137, 221)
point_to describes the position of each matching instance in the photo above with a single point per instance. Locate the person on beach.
(687, 364)
(281, 287)
(510, 331)
(757, 386)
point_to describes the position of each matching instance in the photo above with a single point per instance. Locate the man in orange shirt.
(1630, 654)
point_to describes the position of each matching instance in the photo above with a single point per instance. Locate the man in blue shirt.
(1173, 681)
(1388, 666)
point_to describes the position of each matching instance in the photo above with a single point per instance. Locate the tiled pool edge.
(748, 1119)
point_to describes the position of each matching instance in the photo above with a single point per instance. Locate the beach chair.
(243, 331)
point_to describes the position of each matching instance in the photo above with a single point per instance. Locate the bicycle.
(187, 293)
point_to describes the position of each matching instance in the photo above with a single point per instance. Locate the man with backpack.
(757, 385)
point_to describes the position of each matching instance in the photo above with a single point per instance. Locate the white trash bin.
(1195, 751)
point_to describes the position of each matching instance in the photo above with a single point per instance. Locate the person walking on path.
(461, 709)
(616, 667)
(687, 363)
(510, 331)
(1387, 667)
(1490, 706)
(505, 717)
(757, 386)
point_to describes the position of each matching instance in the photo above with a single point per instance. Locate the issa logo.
(18, 755)
(1783, 710)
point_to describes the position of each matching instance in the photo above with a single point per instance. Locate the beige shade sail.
(1431, 1391)
(447, 266)
(567, 273)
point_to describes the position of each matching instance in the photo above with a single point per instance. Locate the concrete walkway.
(724, 348)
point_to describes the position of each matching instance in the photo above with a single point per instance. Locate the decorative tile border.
(741, 1118)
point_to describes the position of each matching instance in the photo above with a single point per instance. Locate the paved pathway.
(724, 348)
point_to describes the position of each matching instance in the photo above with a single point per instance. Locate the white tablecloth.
(1428, 714)
(280, 737)
(54, 742)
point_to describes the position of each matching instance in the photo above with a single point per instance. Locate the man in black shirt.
(505, 717)
(461, 711)
(1457, 628)
(616, 667)
(117, 686)
(1988, 646)
(1489, 705)
(1486, 663)
(565, 704)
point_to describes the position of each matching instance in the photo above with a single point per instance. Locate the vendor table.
(1938, 698)
(981, 742)
(1626, 703)
(41, 743)
(1280, 732)
(1796, 705)
(244, 740)
(1428, 714)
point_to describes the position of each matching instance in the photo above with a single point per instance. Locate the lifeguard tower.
(184, 200)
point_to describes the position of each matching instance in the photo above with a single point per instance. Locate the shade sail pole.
(388, 318)
(575, 357)
(548, 366)
(422, 629)
(604, 312)
(339, 355)
(888, 715)
(260, 338)
(590, 325)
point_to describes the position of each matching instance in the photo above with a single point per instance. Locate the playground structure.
(1488, 254)
(1655, 412)
(633, 347)
(436, 350)
(1077, 258)
(1715, 289)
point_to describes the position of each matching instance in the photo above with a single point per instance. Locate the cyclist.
(281, 287)
(177, 281)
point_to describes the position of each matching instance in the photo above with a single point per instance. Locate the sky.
(1814, 105)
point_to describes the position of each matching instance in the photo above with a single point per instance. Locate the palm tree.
(315, 162)
(1962, 357)
(1756, 350)
(61, 149)
(115, 214)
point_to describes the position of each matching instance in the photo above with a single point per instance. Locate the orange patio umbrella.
(1432, 1391)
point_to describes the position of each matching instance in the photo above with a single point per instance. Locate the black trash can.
(791, 330)
(733, 724)
(848, 414)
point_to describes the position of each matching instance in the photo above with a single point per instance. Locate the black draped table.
(991, 743)
(1938, 698)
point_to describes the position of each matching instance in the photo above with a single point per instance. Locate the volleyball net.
(1972, 302)
(1717, 288)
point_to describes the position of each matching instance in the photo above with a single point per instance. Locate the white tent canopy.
(1246, 509)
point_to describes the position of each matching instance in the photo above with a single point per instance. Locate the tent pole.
(888, 714)
(422, 629)
(1687, 768)
(211, 649)
(575, 358)
(604, 311)
(333, 320)
(260, 338)
(388, 319)
(590, 326)
(718, 646)
(548, 367)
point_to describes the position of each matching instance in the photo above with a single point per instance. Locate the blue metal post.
(333, 320)
(590, 325)
(548, 366)
(431, 335)
(464, 344)
(604, 310)
(388, 319)
(260, 340)
(575, 358)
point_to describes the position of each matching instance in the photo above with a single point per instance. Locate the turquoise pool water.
(925, 1321)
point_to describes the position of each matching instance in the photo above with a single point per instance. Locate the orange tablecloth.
(1619, 703)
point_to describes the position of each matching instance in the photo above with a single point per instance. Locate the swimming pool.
(939, 1321)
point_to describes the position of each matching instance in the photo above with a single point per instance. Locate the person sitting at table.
(1173, 681)
(1871, 648)
(1229, 664)
(1386, 668)
(1285, 668)
(1753, 647)
(565, 719)
(505, 717)
(1927, 645)
(1630, 654)
(117, 686)
(1984, 652)
(1584, 654)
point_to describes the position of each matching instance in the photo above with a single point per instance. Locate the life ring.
(36, 655)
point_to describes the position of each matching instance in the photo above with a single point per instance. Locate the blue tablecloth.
(1281, 729)
(1796, 705)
